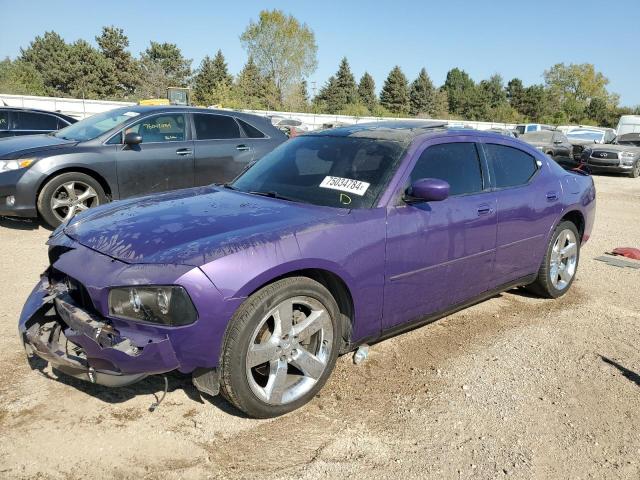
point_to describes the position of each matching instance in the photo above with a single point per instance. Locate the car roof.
(398, 130)
(37, 110)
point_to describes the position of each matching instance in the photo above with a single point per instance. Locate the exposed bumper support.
(85, 346)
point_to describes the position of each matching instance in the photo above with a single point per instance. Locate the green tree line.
(282, 53)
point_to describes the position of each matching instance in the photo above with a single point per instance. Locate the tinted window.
(61, 123)
(34, 121)
(511, 166)
(332, 171)
(215, 127)
(163, 128)
(457, 163)
(250, 130)
(4, 120)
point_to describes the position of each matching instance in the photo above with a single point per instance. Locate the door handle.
(183, 152)
(552, 196)
(243, 148)
(484, 209)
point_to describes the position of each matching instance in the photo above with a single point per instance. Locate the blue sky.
(513, 38)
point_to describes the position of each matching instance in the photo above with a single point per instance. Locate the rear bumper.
(85, 346)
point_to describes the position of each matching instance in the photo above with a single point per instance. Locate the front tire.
(560, 263)
(635, 171)
(280, 347)
(67, 194)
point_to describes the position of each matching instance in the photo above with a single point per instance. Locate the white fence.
(81, 108)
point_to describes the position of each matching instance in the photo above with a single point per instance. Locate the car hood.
(611, 147)
(13, 147)
(190, 227)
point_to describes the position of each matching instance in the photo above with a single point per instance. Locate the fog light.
(11, 201)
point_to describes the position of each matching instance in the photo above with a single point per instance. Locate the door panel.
(221, 148)
(440, 253)
(527, 205)
(163, 161)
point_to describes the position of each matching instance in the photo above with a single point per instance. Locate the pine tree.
(395, 92)
(328, 99)
(346, 90)
(49, 56)
(212, 82)
(251, 87)
(460, 91)
(113, 45)
(367, 92)
(422, 95)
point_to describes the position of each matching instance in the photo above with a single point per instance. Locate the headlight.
(7, 165)
(164, 305)
(627, 155)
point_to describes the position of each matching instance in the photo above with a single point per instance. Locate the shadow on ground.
(23, 223)
(626, 373)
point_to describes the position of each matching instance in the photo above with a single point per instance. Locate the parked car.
(531, 127)
(28, 121)
(620, 156)
(553, 143)
(507, 132)
(257, 286)
(628, 124)
(126, 152)
(585, 137)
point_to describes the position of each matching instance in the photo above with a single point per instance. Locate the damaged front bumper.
(85, 345)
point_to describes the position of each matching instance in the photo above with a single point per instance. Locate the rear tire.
(67, 194)
(280, 347)
(560, 263)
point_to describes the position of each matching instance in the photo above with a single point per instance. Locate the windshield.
(591, 135)
(542, 136)
(95, 125)
(342, 172)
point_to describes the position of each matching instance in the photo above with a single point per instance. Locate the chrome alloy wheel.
(71, 198)
(289, 350)
(564, 259)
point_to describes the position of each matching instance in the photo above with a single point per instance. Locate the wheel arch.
(87, 171)
(333, 282)
(577, 218)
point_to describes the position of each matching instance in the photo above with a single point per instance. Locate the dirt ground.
(514, 387)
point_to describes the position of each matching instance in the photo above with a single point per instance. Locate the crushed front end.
(69, 320)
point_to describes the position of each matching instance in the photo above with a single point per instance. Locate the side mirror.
(427, 190)
(132, 138)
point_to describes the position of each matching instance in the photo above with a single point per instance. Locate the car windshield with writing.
(95, 125)
(591, 135)
(329, 171)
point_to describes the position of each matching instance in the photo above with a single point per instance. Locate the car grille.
(75, 289)
(600, 155)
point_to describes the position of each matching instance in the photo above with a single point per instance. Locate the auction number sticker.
(345, 184)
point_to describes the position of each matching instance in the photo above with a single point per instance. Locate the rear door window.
(456, 163)
(34, 121)
(511, 166)
(161, 128)
(215, 127)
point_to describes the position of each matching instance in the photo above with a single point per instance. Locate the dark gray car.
(554, 143)
(126, 152)
(30, 121)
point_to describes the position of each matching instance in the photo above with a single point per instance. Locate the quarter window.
(511, 166)
(215, 127)
(456, 163)
(250, 130)
(163, 128)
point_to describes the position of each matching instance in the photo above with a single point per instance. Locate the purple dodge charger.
(333, 240)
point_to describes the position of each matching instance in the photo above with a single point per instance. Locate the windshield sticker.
(130, 114)
(345, 184)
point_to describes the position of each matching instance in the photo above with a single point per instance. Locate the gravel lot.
(515, 387)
